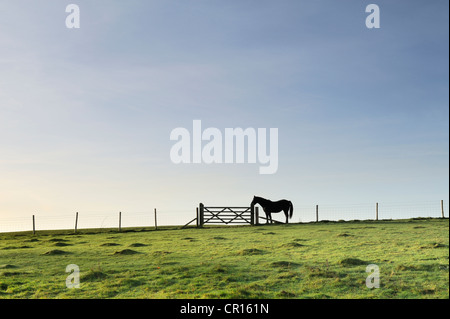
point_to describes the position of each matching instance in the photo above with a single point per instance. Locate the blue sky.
(86, 114)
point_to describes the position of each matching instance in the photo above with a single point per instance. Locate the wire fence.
(302, 213)
(94, 220)
(371, 211)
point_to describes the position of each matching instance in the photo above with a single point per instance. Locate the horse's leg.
(267, 217)
(286, 214)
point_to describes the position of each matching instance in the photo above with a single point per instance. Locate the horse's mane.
(257, 199)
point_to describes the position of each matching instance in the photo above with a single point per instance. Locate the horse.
(274, 207)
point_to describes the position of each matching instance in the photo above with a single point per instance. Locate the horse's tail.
(291, 209)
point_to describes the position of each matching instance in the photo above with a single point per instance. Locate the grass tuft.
(109, 244)
(352, 262)
(7, 266)
(293, 245)
(285, 264)
(54, 252)
(251, 251)
(138, 245)
(125, 252)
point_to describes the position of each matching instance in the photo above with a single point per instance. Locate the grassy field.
(315, 260)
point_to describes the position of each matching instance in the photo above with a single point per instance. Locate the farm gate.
(226, 215)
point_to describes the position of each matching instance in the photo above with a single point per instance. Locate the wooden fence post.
(442, 208)
(76, 222)
(201, 214)
(317, 213)
(34, 227)
(196, 214)
(120, 221)
(156, 223)
(376, 212)
(252, 215)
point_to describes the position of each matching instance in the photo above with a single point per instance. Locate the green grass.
(315, 260)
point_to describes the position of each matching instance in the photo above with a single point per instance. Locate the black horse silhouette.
(274, 207)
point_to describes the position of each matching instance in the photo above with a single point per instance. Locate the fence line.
(371, 211)
(155, 218)
(87, 220)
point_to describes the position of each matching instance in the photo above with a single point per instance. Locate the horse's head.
(254, 201)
